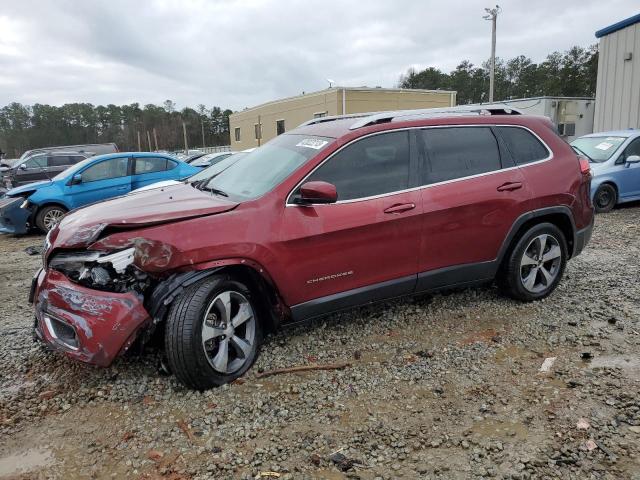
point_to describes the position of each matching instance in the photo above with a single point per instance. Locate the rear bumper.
(582, 238)
(87, 325)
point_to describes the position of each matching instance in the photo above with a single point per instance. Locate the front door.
(32, 170)
(628, 176)
(105, 179)
(365, 246)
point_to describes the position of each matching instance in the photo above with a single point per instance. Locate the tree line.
(23, 127)
(572, 73)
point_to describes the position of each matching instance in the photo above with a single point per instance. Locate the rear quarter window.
(523, 145)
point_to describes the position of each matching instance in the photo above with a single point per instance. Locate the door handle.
(400, 207)
(509, 186)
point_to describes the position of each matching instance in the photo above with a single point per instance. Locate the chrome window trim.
(288, 202)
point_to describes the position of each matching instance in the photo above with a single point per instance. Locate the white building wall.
(562, 111)
(618, 87)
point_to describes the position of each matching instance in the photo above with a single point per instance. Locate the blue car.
(615, 165)
(42, 204)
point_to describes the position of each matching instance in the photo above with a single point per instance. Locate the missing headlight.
(112, 272)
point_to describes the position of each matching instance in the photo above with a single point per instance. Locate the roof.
(348, 89)
(618, 26)
(631, 132)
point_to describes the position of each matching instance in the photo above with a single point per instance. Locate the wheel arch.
(608, 181)
(49, 203)
(559, 216)
(255, 277)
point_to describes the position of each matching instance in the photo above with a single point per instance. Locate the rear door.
(149, 170)
(102, 180)
(365, 246)
(472, 194)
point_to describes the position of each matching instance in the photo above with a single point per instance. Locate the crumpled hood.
(28, 187)
(82, 227)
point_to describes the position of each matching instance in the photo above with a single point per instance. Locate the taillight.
(585, 167)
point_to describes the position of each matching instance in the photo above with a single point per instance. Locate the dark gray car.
(41, 166)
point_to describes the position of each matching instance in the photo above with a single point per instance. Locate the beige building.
(255, 126)
(618, 86)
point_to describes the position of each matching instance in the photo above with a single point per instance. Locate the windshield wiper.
(214, 191)
(580, 152)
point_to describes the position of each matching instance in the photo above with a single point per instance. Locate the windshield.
(216, 168)
(598, 149)
(264, 168)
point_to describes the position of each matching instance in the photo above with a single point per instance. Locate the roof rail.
(406, 115)
(371, 118)
(315, 121)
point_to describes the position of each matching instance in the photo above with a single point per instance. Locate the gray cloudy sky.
(241, 53)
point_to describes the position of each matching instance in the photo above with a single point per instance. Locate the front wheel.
(213, 333)
(605, 198)
(535, 265)
(49, 216)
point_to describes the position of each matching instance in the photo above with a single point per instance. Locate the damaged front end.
(15, 213)
(90, 304)
(113, 272)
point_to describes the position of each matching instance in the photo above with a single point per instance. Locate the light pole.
(492, 14)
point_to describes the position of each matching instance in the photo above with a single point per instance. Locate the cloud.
(240, 53)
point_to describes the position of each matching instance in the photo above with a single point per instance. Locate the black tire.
(184, 348)
(43, 217)
(510, 278)
(605, 198)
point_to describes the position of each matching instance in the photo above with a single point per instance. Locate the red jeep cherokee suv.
(339, 212)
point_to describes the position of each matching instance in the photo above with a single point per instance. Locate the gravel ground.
(442, 387)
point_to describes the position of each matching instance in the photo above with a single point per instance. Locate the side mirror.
(22, 166)
(632, 159)
(317, 192)
(76, 179)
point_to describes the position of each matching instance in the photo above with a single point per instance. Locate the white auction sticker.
(604, 146)
(314, 143)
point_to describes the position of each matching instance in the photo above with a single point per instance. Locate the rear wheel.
(213, 333)
(49, 216)
(605, 198)
(535, 265)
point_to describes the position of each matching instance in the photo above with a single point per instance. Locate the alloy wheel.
(228, 332)
(540, 263)
(52, 218)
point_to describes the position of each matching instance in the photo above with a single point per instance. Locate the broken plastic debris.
(267, 475)
(582, 424)
(547, 364)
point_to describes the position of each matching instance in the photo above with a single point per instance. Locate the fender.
(525, 217)
(167, 291)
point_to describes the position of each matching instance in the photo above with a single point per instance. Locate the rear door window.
(152, 164)
(60, 161)
(523, 145)
(458, 152)
(372, 166)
